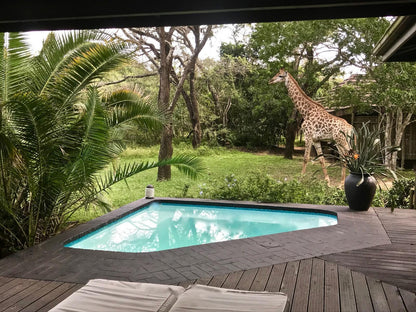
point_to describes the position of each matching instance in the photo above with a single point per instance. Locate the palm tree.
(58, 134)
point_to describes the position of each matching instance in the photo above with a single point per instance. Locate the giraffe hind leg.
(318, 149)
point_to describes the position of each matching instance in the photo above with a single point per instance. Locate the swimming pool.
(161, 226)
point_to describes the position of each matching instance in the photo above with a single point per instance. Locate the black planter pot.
(359, 197)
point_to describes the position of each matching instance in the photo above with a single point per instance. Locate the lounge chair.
(106, 295)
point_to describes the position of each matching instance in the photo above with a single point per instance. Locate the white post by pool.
(149, 192)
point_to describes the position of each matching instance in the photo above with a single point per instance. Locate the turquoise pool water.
(162, 226)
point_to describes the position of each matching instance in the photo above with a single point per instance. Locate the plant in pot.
(364, 162)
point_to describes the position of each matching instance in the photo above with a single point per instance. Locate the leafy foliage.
(59, 134)
(365, 154)
(263, 188)
(398, 196)
(237, 105)
(389, 90)
(315, 52)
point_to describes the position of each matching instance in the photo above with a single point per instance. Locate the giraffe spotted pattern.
(318, 125)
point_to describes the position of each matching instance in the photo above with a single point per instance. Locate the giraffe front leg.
(318, 149)
(343, 169)
(306, 155)
(343, 148)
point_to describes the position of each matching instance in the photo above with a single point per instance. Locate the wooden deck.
(379, 279)
(394, 263)
(316, 285)
(311, 285)
(17, 294)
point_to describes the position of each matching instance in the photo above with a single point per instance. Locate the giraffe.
(318, 125)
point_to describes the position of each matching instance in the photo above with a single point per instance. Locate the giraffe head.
(279, 77)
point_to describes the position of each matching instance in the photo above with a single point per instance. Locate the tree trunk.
(162, 58)
(196, 124)
(387, 139)
(291, 129)
(225, 113)
(166, 149)
(189, 71)
(401, 123)
(193, 109)
(397, 123)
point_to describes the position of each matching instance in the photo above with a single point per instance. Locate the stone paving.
(52, 261)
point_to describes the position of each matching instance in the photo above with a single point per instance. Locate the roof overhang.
(399, 42)
(24, 15)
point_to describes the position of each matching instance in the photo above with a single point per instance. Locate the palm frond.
(57, 135)
(33, 130)
(70, 61)
(93, 152)
(14, 61)
(189, 165)
(55, 54)
(125, 106)
(85, 67)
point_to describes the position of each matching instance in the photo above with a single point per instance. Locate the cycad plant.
(59, 135)
(365, 154)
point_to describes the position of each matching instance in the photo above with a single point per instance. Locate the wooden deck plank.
(289, 280)
(301, 295)
(331, 288)
(378, 297)
(346, 290)
(34, 296)
(218, 280)
(53, 298)
(381, 262)
(232, 280)
(316, 294)
(203, 281)
(409, 299)
(15, 287)
(261, 279)
(17, 299)
(5, 283)
(276, 277)
(4, 280)
(393, 298)
(8, 284)
(247, 279)
(361, 292)
(374, 255)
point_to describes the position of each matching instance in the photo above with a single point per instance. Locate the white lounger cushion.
(210, 299)
(112, 296)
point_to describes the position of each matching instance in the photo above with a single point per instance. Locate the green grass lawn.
(219, 163)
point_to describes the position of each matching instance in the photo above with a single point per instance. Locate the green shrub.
(398, 195)
(263, 188)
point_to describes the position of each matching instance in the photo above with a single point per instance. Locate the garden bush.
(261, 187)
(398, 196)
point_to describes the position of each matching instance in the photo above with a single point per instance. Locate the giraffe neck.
(303, 103)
